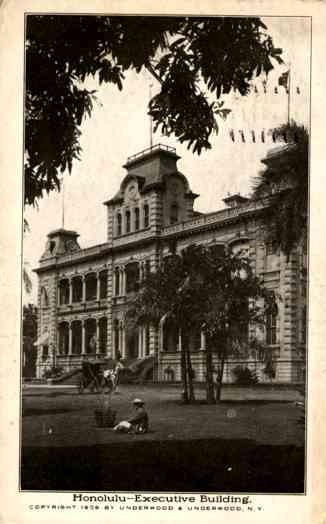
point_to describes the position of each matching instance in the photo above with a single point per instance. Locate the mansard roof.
(150, 168)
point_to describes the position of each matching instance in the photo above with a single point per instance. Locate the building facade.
(83, 293)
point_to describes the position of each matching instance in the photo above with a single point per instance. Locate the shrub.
(244, 376)
(269, 370)
(53, 372)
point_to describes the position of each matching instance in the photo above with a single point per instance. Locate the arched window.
(44, 298)
(63, 338)
(103, 332)
(128, 221)
(90, 330)
(117, 282)
(170, 335)
(174, 212)
(91, 286)
(64, 291)
(136, 219)
(76, 333)
(147, 340)
(132, 277)
(77, 289)
(119, 224)
(146, 215)
(103, 284)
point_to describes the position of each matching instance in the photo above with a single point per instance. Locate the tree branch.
(152, 71)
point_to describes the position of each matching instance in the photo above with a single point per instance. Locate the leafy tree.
(195, 61)
(209, 289)
(168, 293)
(284, 187)
(234, 300)
(29, 337)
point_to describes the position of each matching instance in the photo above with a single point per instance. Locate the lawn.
(253, 446)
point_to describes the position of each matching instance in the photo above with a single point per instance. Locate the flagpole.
(150, 119)
(63, 204)
(289, 93)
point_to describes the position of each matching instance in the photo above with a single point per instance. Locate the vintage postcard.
(162, 234)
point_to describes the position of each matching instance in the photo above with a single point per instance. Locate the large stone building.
(83, 293)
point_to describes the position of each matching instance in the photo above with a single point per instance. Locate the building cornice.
(205, 222)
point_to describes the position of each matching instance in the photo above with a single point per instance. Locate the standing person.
(117, 369)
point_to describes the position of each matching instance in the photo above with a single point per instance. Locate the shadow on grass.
(249, 402)
(29, 412)
(198, 465)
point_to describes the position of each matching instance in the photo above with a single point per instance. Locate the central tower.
(153, 194)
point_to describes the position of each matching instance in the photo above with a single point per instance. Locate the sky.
(119, 127)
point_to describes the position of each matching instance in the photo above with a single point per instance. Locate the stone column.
(97, 336)
(202, 340)
(70, 338)
(70, 291)
(83, 338)
(179, 341)
(98, 286)
(123, 281)
(140, 345)
(84, 289)
(123, 342)
(114, 280)
(115, 342)
(109, 350)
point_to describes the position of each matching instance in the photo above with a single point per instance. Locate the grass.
(251, 446)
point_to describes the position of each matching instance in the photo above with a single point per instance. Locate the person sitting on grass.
(138, 423)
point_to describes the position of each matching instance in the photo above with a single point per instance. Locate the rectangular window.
(119, 224)
(127, 221)
(136, 219)
(271, 325)
(146, 215)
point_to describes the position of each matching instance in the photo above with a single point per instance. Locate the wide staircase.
(135, 371)
(138, 371)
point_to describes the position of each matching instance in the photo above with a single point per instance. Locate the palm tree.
(284, 187)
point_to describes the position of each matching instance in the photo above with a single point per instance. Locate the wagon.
(93, 377)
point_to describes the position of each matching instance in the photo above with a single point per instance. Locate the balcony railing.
(129, 238)
(76, 255)
(153, 149)
(210, 218)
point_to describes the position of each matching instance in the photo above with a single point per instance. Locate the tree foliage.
(195, 60)
(29, 337)
(284, 186)
(207, 288)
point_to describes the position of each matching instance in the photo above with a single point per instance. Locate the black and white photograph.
(165, 267)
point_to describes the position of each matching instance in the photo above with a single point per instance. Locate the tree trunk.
(209, 376)
(183, 364)
(220, 379)
(190, 375)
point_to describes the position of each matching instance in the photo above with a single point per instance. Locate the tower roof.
(149, 166)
